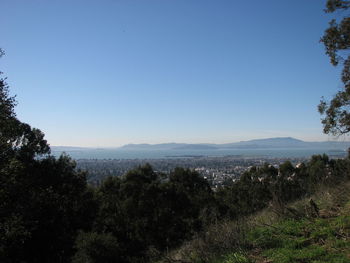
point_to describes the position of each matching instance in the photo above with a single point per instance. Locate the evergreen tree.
(44, 201)
(336, 40)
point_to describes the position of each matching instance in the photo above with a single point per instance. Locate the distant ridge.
(277, 142)
(269, 142)
(280, 146)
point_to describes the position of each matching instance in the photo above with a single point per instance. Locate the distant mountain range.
(279, 142)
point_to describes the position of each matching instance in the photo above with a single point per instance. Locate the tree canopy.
(44, 201)
(17, 138)
(336, 39)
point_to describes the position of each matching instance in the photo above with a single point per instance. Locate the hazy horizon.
(322, 138)
(94, 74)
(330, 139)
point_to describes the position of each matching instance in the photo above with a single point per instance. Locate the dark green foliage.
(43, 204)
(93, 247)
(263, 186)
(333, 5)
(337, 43)
(44, 201)
(17, 139)
(198, 202)
(143, 213)
(251, 193)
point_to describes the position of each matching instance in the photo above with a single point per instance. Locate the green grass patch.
(270, 237)
(310, 254)
(319, 240)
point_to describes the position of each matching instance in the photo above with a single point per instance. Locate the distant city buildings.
(218, 171)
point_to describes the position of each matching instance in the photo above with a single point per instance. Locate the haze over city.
(92, 73)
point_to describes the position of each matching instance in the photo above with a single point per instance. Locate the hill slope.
(296, 235)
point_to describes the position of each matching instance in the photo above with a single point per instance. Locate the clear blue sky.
(110, 72)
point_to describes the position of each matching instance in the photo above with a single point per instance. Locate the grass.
(268, 237)
(236, 257)
(315, 240)
(319, 240)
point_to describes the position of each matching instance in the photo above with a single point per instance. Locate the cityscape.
(218, 171)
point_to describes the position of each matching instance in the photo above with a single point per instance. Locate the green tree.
(140, 212)
(95, 247)
(336, 40)
(17, 138)
(201, 208)
(44, 201)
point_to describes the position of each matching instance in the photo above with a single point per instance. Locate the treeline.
(143, 213)
(263, 186)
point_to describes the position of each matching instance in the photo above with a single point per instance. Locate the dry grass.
(230, 236)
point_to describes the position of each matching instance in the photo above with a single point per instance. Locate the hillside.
(315, 229)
